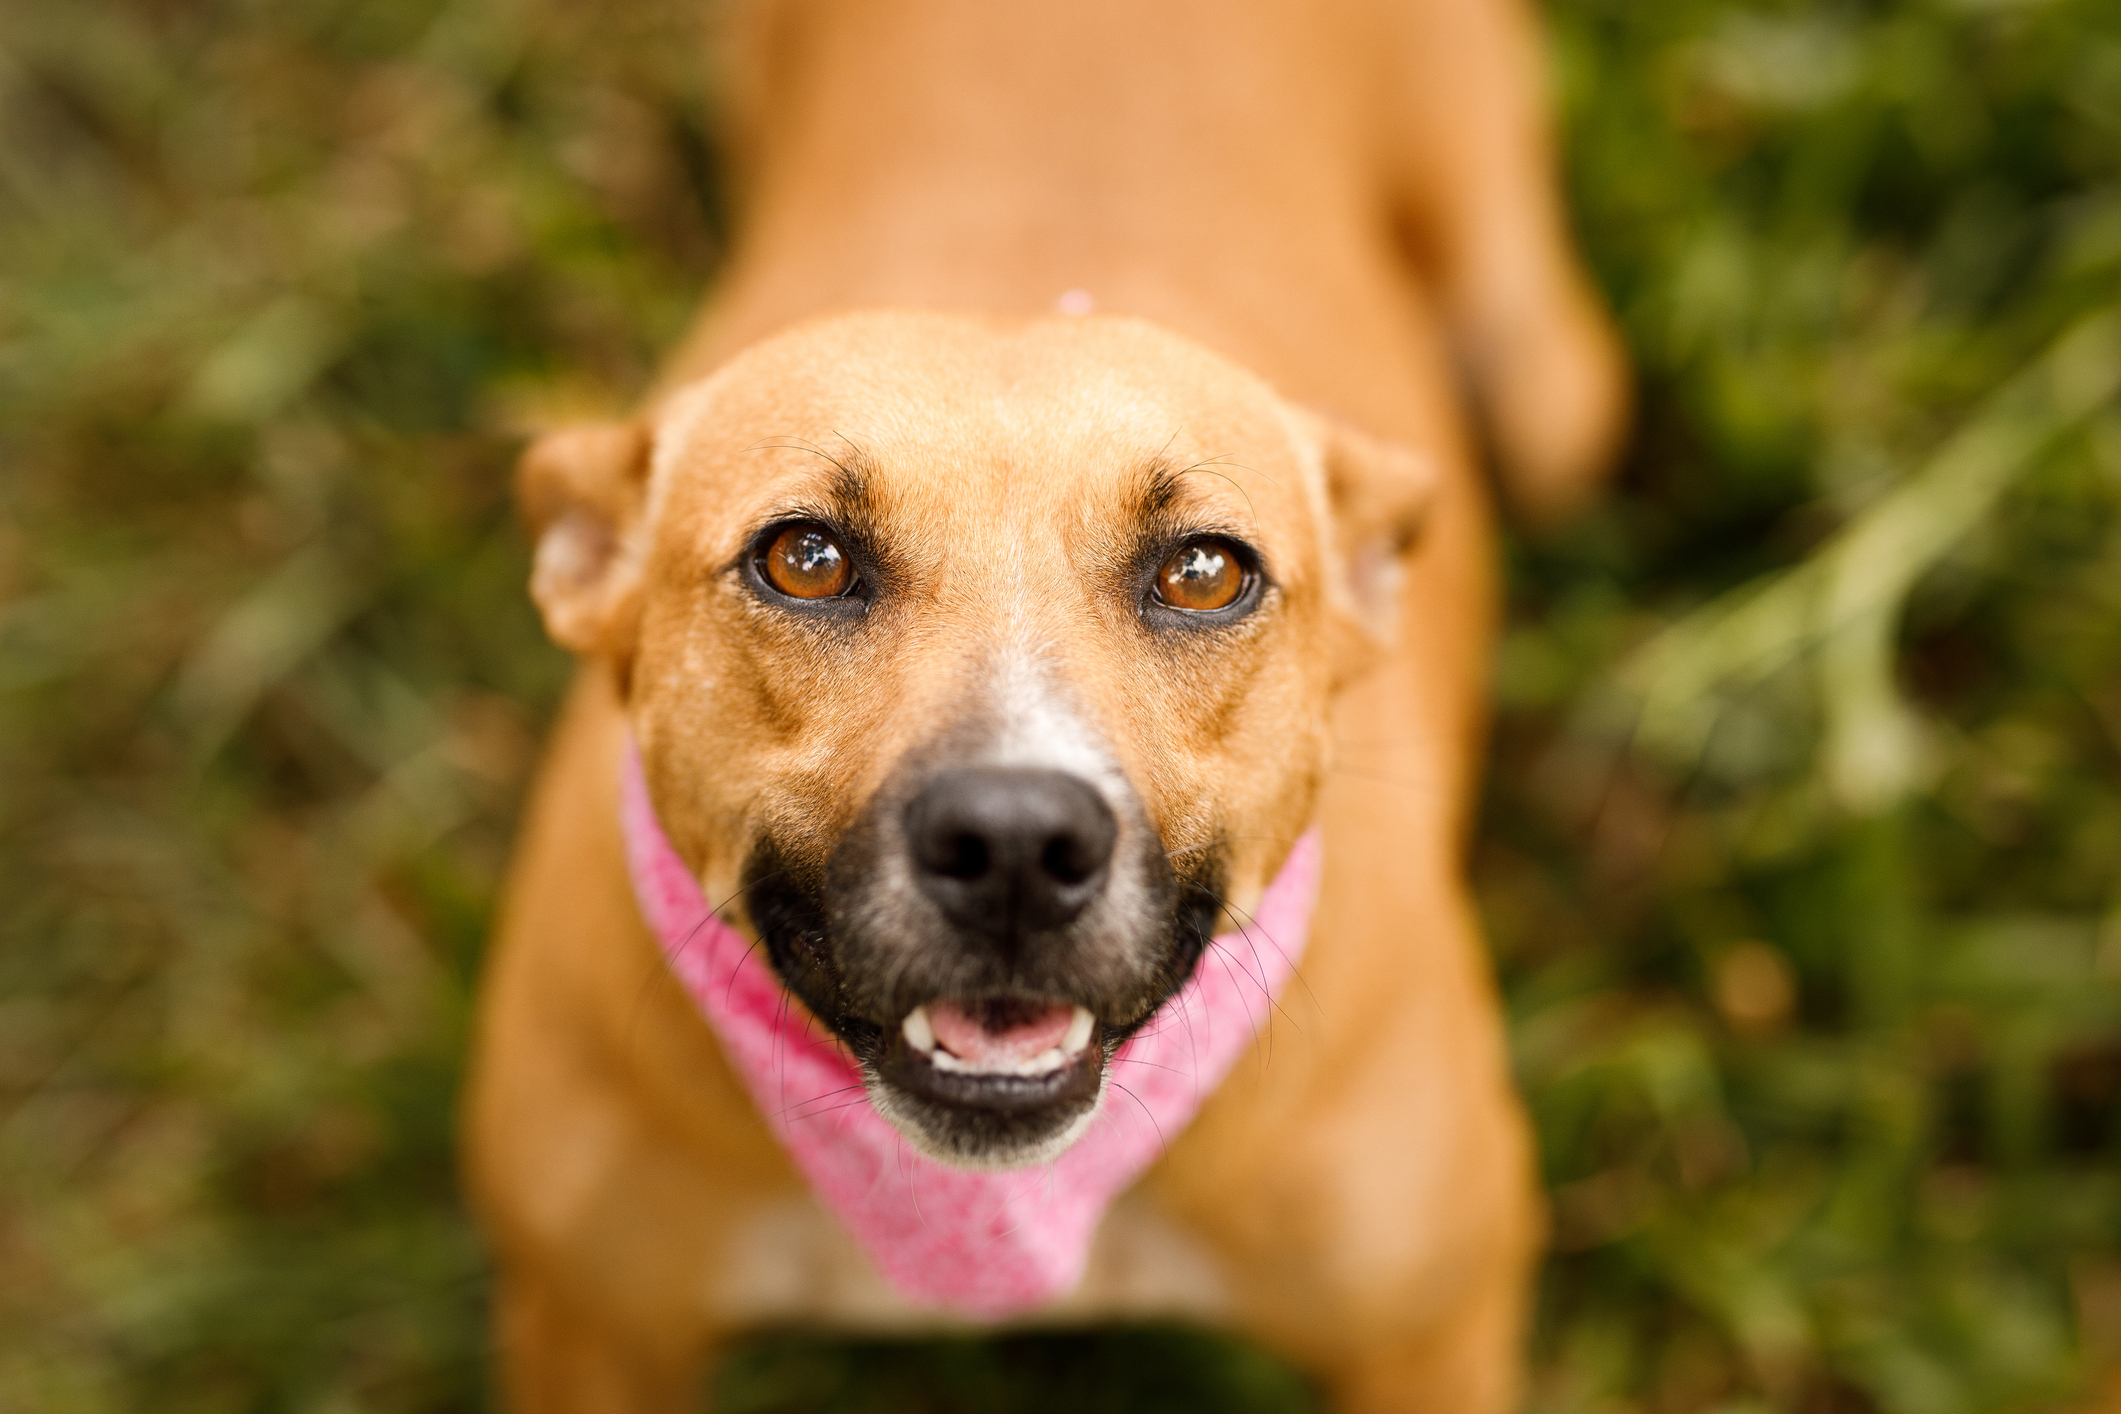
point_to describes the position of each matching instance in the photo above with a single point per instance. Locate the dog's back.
(1338, 194)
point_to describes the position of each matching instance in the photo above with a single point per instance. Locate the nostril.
(1068, 859)
(961, 856)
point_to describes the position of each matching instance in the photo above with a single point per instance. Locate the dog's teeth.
(1079, 1027)
(1044, 1063)
(919, 1034)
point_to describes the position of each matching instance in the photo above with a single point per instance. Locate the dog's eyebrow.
(851, 488)
(853, 473)
(1159, 492)
(1162, 500)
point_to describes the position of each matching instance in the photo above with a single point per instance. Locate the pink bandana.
(983, 1244)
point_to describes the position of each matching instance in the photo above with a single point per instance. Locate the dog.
(1032, 656)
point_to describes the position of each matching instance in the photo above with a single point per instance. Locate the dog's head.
(982, 669)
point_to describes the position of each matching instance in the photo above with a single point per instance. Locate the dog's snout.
(1006, 852)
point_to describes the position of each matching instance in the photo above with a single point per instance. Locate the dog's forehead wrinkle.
(1094, 417)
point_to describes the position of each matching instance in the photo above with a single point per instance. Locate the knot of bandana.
(980, 1244)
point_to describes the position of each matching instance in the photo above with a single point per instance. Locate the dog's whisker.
(780, 1054)
(1225, 459)
(675, 955)
(1275, 1010)
(729, 988)
(1153, 1065)
(1162, 1147)
(829, 1094)
(1221, 955)
(1263, 1027)
(1204, 471)
(797, 444)
(716, 913)
(828, 1110)
(1185, 1016)
(913, 1189)
(1246, 922)
(1295, 970)
(1245, 931)
(1258, 978)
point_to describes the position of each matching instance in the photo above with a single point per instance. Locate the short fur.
(1297, 209)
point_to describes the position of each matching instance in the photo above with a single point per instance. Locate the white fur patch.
(1038, 728)
(788, 1261)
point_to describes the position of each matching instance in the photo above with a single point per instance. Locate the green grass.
(1802, 847)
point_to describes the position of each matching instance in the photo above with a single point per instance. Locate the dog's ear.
(581, 492)
(1379, 493)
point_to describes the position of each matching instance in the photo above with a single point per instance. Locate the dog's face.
(981, 670)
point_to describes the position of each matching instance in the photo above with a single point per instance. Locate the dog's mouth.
(1007, 1055)
(994, 1079)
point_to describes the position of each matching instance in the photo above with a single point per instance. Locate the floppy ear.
(581, 491)
(1378, 493)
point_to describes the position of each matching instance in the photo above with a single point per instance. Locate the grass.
(1800, 843)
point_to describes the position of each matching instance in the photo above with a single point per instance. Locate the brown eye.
(1203, 575)
(804, 562)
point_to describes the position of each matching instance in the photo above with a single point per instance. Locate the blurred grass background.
(1801, 841)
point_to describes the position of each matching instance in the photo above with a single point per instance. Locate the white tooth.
(919, 1034)
(1079, 1026)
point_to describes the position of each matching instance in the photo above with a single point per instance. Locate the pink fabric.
(987, 1244)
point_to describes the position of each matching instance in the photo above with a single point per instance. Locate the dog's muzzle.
(1009, 856)
(984, 937)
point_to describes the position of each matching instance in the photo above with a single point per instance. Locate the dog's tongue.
(998, 1033)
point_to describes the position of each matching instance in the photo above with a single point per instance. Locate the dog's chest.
(789, 1262)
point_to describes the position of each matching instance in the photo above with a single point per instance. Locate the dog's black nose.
(1006, 852)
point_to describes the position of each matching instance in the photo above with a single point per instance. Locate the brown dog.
(853, 573)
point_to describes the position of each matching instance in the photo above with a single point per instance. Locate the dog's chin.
(988, 1113)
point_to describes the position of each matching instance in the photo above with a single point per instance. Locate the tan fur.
(1327, 196)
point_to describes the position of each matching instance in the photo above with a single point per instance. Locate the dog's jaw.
(989, 1113)
(979, 1141)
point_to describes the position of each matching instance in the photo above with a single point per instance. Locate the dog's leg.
(1469, 1363)
(599, 1303)
(606, 1221)
(1382, 1240)
(1442, 1336)
(1474, 174)
(603, 1248)
(555, 1360)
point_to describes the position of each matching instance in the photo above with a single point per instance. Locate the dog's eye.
(1203, 575)
(805, 562)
